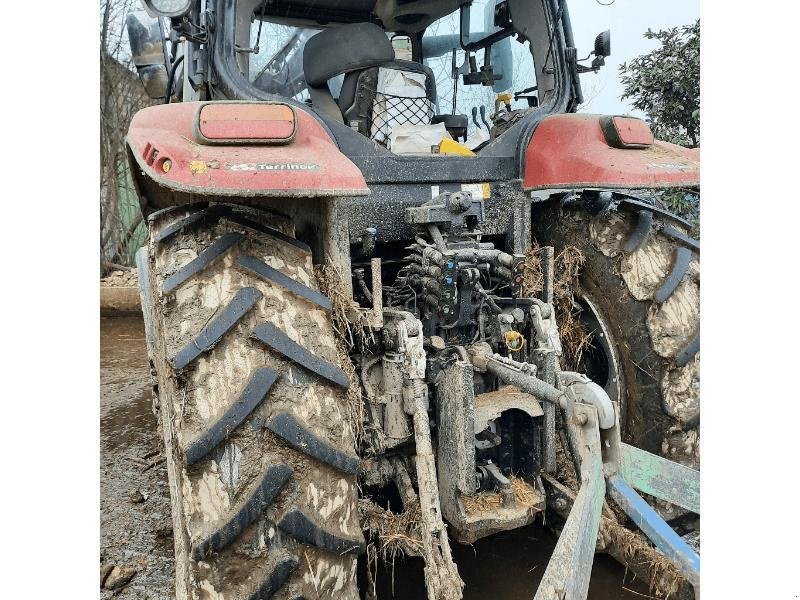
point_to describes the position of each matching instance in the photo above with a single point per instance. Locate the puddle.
(506, 566)
(126, 417)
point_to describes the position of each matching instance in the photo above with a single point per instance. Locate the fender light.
(626, 132)
(245, 123)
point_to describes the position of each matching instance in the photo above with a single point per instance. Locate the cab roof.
(393, 15)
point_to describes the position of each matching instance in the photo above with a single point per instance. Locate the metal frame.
(600, 454)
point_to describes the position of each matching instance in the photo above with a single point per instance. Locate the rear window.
(277, 67)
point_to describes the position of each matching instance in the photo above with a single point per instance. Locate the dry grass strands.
(565, 469)
(533, 273)
(575, 338)
(330, 282)
(568, 264)
(665, 579)
(390, 535)
(487, 501)
(394, 533)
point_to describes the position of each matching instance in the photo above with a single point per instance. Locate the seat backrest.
(368, 109)
(364, 54)
(338, 50)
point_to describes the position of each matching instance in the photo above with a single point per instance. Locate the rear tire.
(253, 411)
(642, 289)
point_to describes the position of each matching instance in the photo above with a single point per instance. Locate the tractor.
(361, 213)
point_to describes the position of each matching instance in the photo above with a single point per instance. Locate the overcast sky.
(628, 20)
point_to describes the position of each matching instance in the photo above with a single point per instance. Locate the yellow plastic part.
(514, 340)
(449, 146)
(505, 98)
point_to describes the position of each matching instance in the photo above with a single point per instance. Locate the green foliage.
(665, 84)
(685, 203)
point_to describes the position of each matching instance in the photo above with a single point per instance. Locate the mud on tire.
(642, 276)
(252, 407)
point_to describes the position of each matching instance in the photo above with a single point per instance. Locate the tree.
(665, 84)
(121, 95)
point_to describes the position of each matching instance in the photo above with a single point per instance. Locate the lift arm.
(592, 423)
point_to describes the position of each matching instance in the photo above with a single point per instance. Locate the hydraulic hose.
(171, 78)
(528, 383)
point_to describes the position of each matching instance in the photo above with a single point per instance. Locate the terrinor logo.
(273, 167)
(670, 166)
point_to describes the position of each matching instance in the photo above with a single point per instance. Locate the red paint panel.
(234, 121)
(571, 151)
(311, 165)
(633, 132)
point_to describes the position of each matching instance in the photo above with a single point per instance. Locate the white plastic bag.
(477, 137)
(385, 114)
(416, 139)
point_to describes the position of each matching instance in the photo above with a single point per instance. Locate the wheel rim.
(601, 358)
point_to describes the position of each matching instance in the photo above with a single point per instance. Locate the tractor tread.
(242, 302)
(276, 578)
(195, 218)
(680, 237)
(683, 256)
(217, 248)
(643, 226)
(255, 392)
(263, 270)
(237, 463)
(689, 352)
(187, 208)
(301, 527)
(240, 219)
(641, 281)
(287, 427)
(269, 334)
(264, 494)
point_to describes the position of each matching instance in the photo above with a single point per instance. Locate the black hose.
(171, 78)
(436, 235)
(528, 383)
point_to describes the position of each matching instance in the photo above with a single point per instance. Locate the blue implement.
(655, 528)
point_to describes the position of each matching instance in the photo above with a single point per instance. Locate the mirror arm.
(485, 42)
(468, 46)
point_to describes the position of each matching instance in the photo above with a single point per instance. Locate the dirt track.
(136, 527)
(119, 294)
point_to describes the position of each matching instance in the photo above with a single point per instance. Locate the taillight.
(245, 123)
(626, 132)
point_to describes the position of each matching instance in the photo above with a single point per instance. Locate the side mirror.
(147, 50)
(503, 61)
(495, 40)
(502, 57)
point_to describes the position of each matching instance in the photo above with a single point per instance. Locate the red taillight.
(237, 122)
(626, 132)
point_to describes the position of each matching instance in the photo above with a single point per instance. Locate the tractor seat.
(361, 51)
(456, 125)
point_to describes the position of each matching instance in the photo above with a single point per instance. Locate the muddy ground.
(136, 528)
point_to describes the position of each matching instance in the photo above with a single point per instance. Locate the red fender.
(572, 151)
(163, 141)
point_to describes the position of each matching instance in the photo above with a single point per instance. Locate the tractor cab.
(397, 89)
(404, 75)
